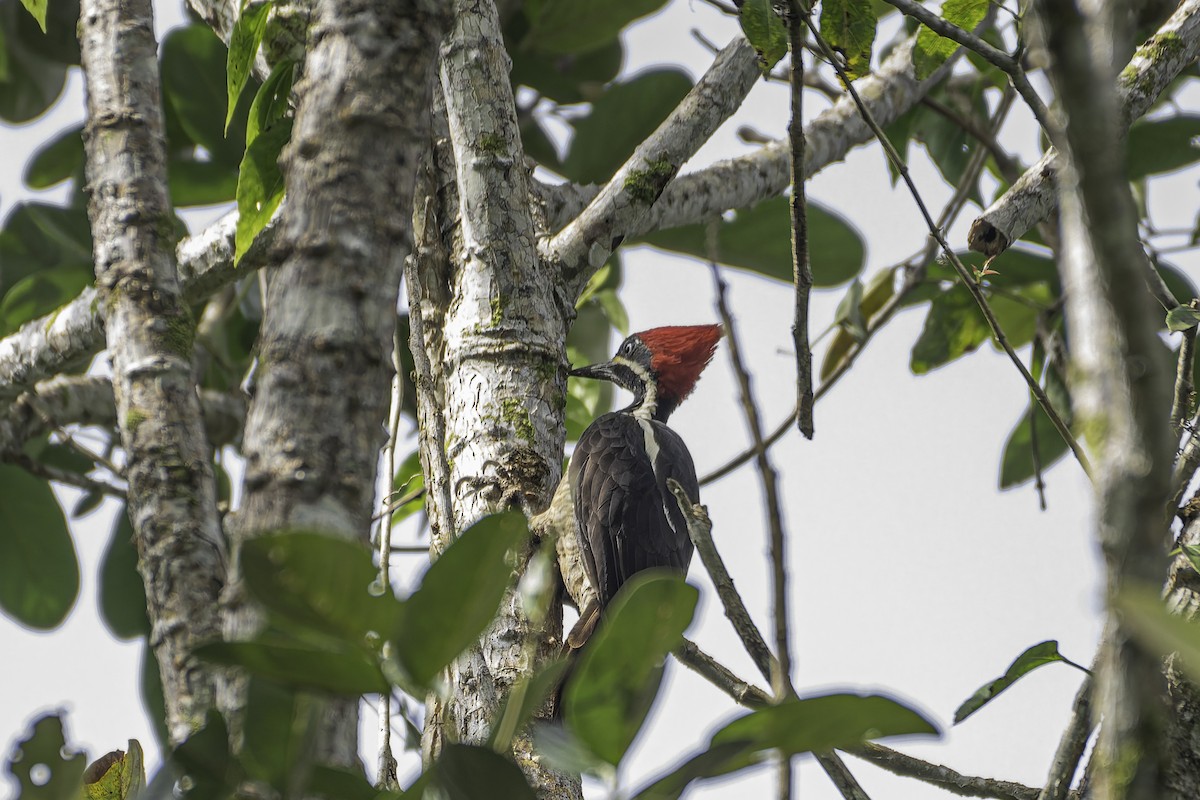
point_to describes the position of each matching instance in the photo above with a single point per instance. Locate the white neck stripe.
(649, 404)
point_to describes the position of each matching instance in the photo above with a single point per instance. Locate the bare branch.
(585, 244)
(1151, 70)
(742, 693)
(940, 776)
(172, 492)
(1071, 746)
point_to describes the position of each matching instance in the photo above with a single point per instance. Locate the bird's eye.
(626, 348)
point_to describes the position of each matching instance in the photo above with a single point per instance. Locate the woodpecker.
(626, 519)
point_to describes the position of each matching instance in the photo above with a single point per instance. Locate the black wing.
(626, 518)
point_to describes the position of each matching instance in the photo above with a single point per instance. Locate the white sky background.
(909, 572)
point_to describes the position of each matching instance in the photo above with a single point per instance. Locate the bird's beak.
(603, 371)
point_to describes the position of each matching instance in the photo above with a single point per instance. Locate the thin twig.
(720, 676)
(57, 475)
(1181, 404)
(1071, 745)
(1009, 167)
(386, 778)
(997, 58)
(942, 777)
(700, 530)
(972, 285)
(44, 413)
(801, 268)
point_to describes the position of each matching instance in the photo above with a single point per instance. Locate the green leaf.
(955, 326)
(527, 696)
(849, 315)
(57, 160)
(122, 594)
(610, 302)
(200, 183)
(880, 290)
(565, 79)
(271, 100)
(37, 8)
(260, 184)
(1182, 318)
(328, 666)
(44, 751)
(765, 31)
(321, 582)
(407, 480)
(619, 672)
(758, 239)
(39, 237)
(849, 27)
(54, 38)
(33, 80)
(279, 723)
(578, 26)
(205, 759)
(442, 617)
(38, 294)
(39, 571)
(194, 84)
(1192, 553)
(816, 724)
(1158, 630)
(932, 50)
(468, 772)
(1039, 655)
(344, 784)
(117, 775)
(620, 120)
(1016, 465)
(243, 47)
(1157, 146)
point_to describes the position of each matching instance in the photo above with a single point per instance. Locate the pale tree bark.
(316, 421)
(1183, 732)
(1122, 390)
(172, 498)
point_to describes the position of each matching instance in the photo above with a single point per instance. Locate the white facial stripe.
(651, 443)
(650, 398)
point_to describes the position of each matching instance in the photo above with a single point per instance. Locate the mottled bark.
(1183, 730)
(316, 421)
(172, 497)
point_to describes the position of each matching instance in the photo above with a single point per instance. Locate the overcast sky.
(910, 573)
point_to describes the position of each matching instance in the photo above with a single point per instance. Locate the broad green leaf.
(527, 696)
(563, 750)
(819, 724)
(278, 726)
(205, 759)
(344, 783)
(39, 237)
(243, 47)
(328, 667)
(150, 689)
(118, 775)
(880, 290)
(39, 571)
(620, 120)
(44, 767)
(122, 594)
(949, 146)
(458, 596)
(271, 100)
(38, 294)
(565, 79)
(200, 183)
(618, 676)
(537, 143)
(764, 31)
(1157, 146)
(1179, 283)
(849, 315)
(37, 8)
(610, 302)
(1017, 310)
(1158, 630)
(34, 81)
(56, 39)
(815, 724)
(849, 27)
(579, 26)
(468, 772)
(1039, 655)
(260, 184)
(1016, 465)
(955, 326)
(320, 582)
(758, 239)
(932, 50)
(193, 78)
(1182, 318)
(57, 160)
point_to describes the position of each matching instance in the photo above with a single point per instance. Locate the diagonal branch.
(1151, 70)
(585, 244)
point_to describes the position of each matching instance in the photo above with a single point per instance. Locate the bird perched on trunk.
(626, 519)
